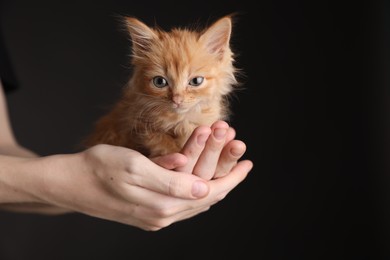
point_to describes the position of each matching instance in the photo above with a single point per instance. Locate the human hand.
(122, 185)
(212, 152)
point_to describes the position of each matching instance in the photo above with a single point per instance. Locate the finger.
(208, 160)
(188, 214)
(160, 206)
(231, 153)
(164, 216)
(151, 219)
(231, 134)
(219, 188)
(172, 183)
(148, 204)
(171, 161)
(228, 182)
(194, 147)
(183, 209)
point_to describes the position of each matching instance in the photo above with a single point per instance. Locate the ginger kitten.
(181, 79)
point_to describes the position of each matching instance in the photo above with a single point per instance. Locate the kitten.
(181, 79)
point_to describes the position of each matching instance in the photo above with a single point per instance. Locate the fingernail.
(199, 189)
(220, 133)
(202, 139)
(236, 152)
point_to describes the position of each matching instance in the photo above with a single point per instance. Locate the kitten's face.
(182, 68)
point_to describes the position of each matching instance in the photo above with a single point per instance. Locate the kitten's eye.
(160, 82)
(196, 81)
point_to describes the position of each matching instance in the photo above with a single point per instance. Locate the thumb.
(176, 184)
(170, 161)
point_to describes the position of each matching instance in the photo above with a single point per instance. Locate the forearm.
(16, 151)
(21, 182)
(19, 179)
(17, 191)
(14, 194)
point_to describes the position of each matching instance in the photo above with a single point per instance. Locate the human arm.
(115, 183)
(10, 149)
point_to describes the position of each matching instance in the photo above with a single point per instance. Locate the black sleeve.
(7, 74)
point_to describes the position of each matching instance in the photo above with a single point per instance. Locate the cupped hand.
(212, 152)
(122, 185)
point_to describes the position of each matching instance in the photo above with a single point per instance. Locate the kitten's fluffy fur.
(159, 120)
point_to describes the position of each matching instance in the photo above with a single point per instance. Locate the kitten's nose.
(177, 99)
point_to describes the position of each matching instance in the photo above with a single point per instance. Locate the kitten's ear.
(141, 35)
(216, 38)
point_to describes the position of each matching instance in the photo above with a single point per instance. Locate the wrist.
(36, 180)
(19, 179)
(26, 183)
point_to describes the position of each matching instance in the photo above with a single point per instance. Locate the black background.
(314, 115)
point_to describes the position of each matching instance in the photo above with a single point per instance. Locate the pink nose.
(177, 99)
